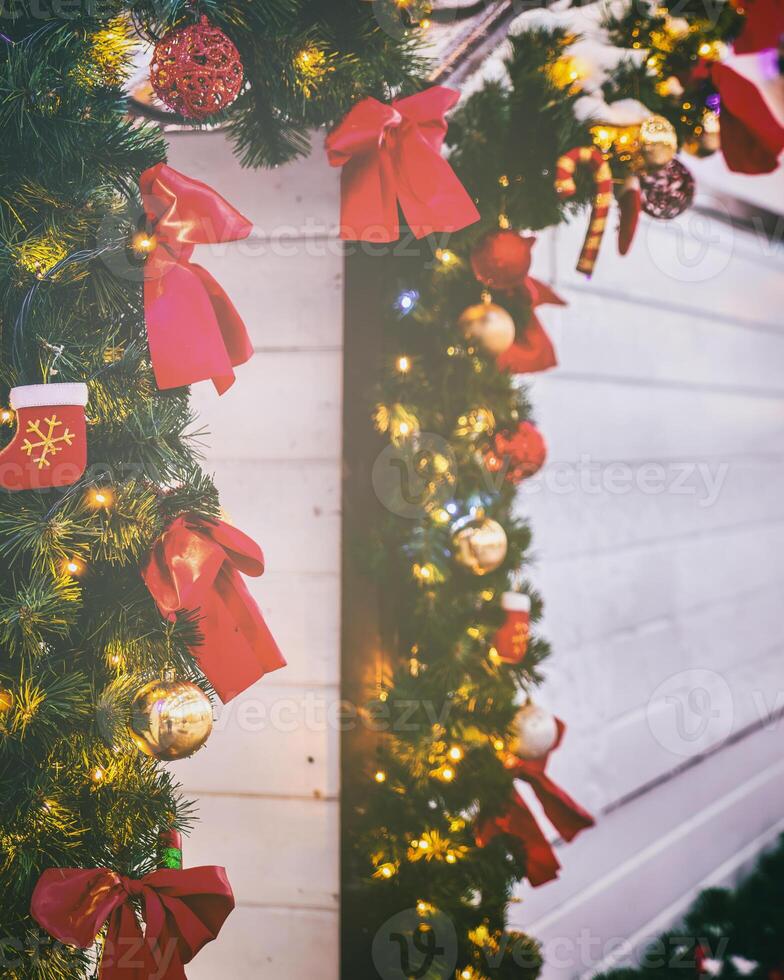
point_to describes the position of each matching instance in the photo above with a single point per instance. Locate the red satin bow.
(195, 567)
(567, 816)
(390, 154)
(762, 27)
(183, 911)
(193, 330)
(752, 111)
(533, 351)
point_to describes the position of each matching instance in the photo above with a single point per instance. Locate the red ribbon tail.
(629, 206)
(232, 621)
(234, 334)
(541, 864)
(533, 352)
(541, 293)
(567, 816)
(126, 954)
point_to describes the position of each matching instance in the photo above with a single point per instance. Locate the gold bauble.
(170, 719)
(658, 142)
(537, 732)
(707, 140)
(479, 544)
(490, 325)
(6, 700)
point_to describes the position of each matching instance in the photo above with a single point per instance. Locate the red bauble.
(668, 192)
(518, 455)
(502, 259)
(196, 70)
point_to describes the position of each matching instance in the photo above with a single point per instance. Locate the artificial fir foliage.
(79, 631)
(735, 932)
(673, 79)
(412, 812)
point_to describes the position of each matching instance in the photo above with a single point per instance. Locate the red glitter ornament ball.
(667, 192)
(196, 70)
(502, 259)
(518, 455)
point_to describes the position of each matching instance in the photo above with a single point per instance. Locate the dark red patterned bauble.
(501, 259)
(667, 192)
(196, 70)
(519, 454)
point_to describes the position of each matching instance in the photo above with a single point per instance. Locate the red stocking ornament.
(50, 446)
(511, 640)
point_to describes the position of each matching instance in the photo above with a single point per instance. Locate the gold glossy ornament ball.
(537, 732)
(710, 138)
(478, 544)
(489, 325)
(6, 700)
(658, 142)
(170, 719)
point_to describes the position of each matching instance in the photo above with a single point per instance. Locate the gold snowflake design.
(49, 443)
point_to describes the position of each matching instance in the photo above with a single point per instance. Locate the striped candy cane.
(590, 157)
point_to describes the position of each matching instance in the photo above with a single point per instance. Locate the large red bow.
(752, 111)
(392, 153)
(183, 910)
(533, 351)
(762, 26)
(195, 567)
(567, 816)
(193, 330)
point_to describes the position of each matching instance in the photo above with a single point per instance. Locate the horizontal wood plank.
(272, 741)
(276, 852)
(272, 944)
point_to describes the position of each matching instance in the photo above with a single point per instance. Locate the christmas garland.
(727, 933)
(437, 834)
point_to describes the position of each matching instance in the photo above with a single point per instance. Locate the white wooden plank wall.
(659, 537)
(267, 782)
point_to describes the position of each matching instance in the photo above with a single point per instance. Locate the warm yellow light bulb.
(97, 775)
(380, 776)
(446, 256)
(447, 774)
(143, 243)
(404, 364)
(450, 858)
(499, 745)
(455, 753)
(74, 566)
(7, 416)
(100, 497)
